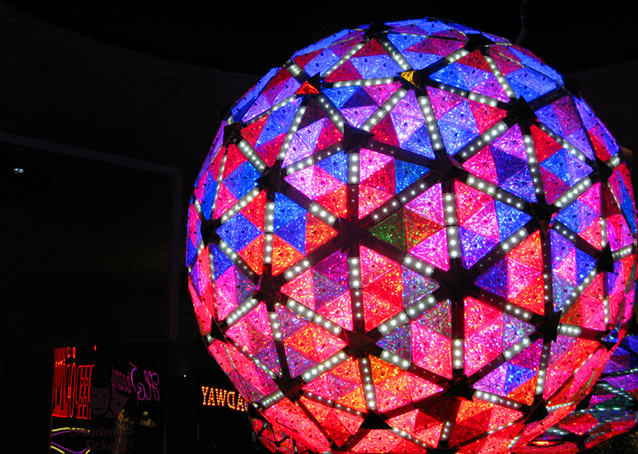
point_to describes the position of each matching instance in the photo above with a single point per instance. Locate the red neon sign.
(71, 386)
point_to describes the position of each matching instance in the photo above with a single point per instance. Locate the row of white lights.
(241, 310)
(498, 193)
(564, 143)
(430, 121)
(312, 316)
(296, 269)
(343, 59)
(542, 368)
(515, 238)
(269, 226)
(500, 77)
(368, 386)
(575, 294)
(325, 366)
(483, 99)
(241, 203)
(353, 168)
(396, 55)
(532, 161)
(623, 252)
(573, 193)
(517, 348)
(487, 137)
(398, 361)
(331, 403)
(291, 132)
(496, 399)
(417, 264)
(252, 156)
(384, 109)
(234, 257)
(517, 311)
(218, 178)
(458, 353)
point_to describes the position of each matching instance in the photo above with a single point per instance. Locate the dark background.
(109, 108)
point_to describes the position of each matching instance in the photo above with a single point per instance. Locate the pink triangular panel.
(432, 351)
(373, 265)
(434, 250)
(482, 165)
(429, 204)
(301, 289)
(371, 198)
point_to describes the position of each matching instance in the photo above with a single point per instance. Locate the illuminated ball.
(412, 237)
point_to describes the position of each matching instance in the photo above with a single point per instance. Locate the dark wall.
(110, 141)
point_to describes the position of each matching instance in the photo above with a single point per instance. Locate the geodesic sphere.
(411, 237)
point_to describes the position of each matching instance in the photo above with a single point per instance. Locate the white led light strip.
(501, 79)
(271, 399)
(241, 310)
(324, 366)
(368, 385)
(417, 264)
(569, 330)
(483, 99)
(312, 316)
(252, 156)
(296, 269)
(573, 193)
(395, 322)
(517, 311)
(396, 55)
(326, 216)
(269, 225)
(516, 348)
(430, 121)
(533, 164)
(291, 132)
(542, 369)
(384, 109)
(575, 294)
(423, 305)
(241, 203)
(564, 143)
(483, 140)
(496, 399)
(353, 168)
(398, 361)
(454, 56)
(407, 436)
(514, 239)
(452, 229)
(458, 353)
(342, 60)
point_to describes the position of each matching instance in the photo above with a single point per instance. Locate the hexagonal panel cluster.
(412, 236)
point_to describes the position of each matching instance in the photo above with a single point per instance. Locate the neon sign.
(217, 397)
(71, 386)
(126, 382)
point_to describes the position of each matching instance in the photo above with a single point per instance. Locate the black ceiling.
(239, 37)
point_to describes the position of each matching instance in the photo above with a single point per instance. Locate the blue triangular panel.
(495, 279)
(285, 210)
(474, 246)
(336, 165)
(509, 219)
(407, 173)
